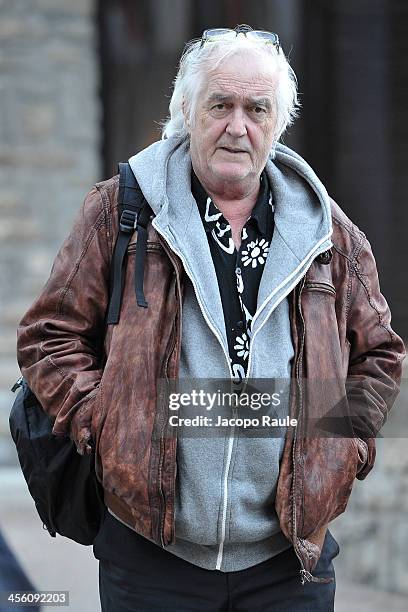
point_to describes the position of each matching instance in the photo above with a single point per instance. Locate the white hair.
(198, 60)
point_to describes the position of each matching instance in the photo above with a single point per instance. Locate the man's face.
(234, 123)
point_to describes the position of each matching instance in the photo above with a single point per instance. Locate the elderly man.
(251, 272)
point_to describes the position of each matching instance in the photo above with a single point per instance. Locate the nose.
(236, 126)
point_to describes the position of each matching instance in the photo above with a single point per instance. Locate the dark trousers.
(162, 581)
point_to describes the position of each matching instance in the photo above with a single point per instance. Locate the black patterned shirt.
(238, 272)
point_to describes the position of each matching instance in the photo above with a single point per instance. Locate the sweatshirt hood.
(163, 170)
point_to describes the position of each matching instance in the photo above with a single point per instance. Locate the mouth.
(231, 150)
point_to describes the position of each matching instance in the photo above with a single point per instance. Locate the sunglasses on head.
(217, 34)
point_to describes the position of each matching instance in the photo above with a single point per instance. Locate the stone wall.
(49, 151)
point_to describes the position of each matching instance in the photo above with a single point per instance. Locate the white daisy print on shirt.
(256, 253)
(242, 345)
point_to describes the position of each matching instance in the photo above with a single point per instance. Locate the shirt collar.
(260, 212)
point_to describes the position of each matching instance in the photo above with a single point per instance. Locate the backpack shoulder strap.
(134, 214)
(130, 196)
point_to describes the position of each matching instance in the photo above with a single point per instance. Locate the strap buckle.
(128, 221)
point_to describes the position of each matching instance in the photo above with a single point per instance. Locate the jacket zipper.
(305, 576)
(162, 510)
(303, 571)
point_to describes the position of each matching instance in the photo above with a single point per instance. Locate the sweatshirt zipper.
(225, 488)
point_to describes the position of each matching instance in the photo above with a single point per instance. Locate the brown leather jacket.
(102, 382)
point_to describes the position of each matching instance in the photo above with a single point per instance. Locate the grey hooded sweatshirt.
(225, 515)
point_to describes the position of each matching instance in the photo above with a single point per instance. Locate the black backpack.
(63, 484)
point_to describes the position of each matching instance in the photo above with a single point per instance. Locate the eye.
(258, 110)
(219, 106)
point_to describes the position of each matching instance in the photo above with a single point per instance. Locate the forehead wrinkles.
(241, 87)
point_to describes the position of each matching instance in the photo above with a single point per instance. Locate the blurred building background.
(85, 83)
